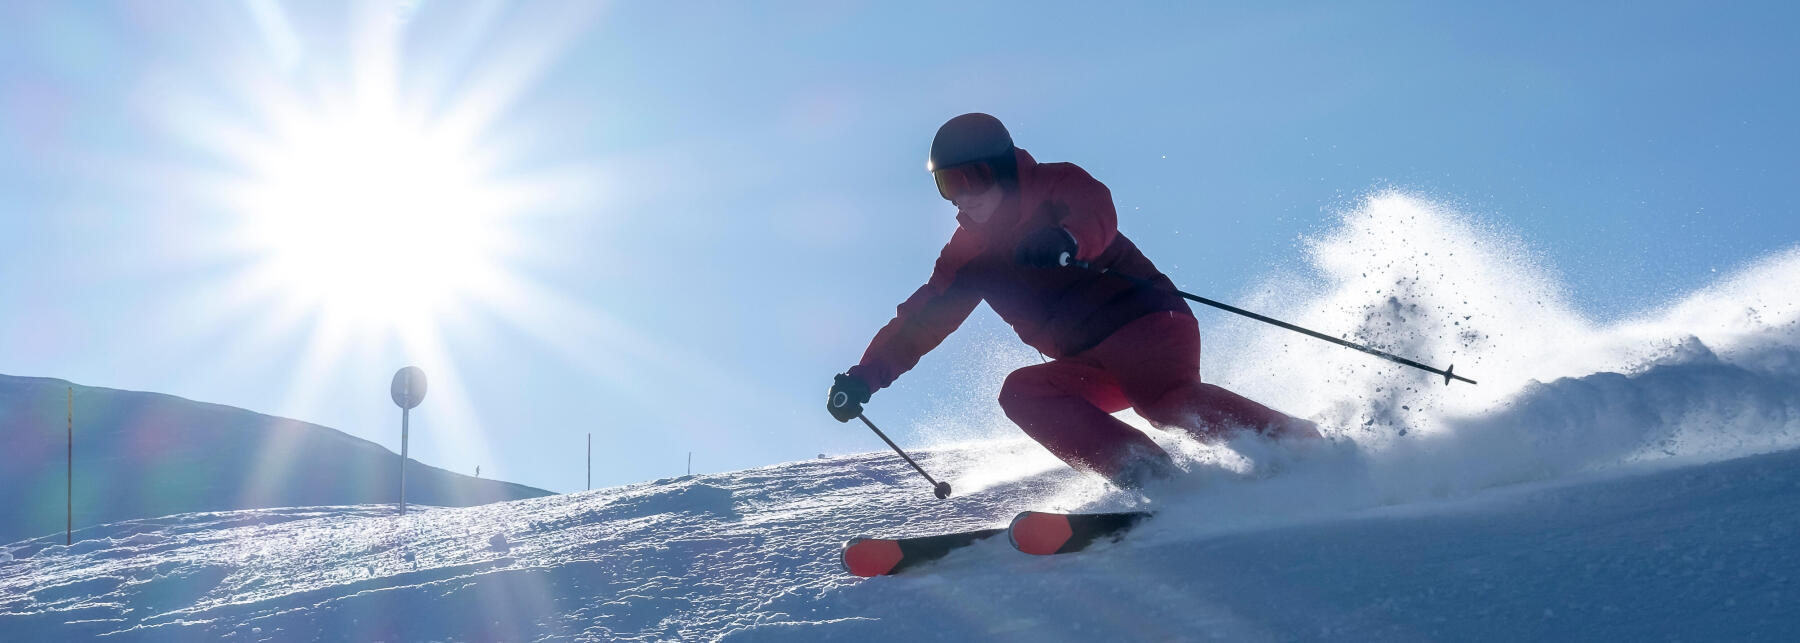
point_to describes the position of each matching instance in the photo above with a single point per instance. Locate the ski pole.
(939, 489)
(1448, 373)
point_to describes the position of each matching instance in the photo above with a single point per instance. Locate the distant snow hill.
(143, 455)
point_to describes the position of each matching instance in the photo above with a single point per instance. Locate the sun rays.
(366, 191)
(372, 220)
(371, 198)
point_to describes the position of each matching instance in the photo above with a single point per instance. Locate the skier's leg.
(1210, 412)
(1157, 363)
(1067, 407)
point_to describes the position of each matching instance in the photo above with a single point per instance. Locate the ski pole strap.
(1449, 373)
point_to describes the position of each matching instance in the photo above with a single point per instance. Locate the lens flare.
(372, 218)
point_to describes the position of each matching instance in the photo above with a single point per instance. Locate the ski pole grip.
(839, 400)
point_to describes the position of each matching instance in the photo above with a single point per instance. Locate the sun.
(371, 184)
(370, 217)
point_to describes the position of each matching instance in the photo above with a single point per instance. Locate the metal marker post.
(408, 390)
(405, 419)
(69, 529)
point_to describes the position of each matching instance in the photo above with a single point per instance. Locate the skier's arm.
(1085, 208)
(922, 321)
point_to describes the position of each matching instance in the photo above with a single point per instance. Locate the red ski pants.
(1151, 365)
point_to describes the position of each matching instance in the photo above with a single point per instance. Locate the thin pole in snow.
(405, 419)
(408, 390)
(69, 528)
(690, 463)
(590, 462)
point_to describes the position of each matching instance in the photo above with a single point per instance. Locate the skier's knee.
(1013, 394)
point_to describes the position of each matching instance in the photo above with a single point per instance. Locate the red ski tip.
(1040, 533)
(867, 557)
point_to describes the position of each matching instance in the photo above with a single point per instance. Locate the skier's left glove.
(1045, 248)
(848, 393)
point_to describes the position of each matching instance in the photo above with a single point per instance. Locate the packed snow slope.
(1635, 478)
(143, 455)
(1702, 552)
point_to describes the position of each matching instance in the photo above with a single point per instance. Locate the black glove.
(1045, 247)
(848, 393)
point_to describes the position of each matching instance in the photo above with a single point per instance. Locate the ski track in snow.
(1637, 478)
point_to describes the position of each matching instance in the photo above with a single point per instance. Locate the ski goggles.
(968, 178)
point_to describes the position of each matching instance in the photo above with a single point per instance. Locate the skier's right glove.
(848, 393)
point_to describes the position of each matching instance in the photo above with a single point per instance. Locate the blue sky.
(671, 223)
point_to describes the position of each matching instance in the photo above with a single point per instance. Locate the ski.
(868, 557)
(1044, 533)
(1033, 532)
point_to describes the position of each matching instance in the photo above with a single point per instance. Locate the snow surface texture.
(1638, 479)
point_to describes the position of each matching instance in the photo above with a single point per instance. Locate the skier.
(1112, 344)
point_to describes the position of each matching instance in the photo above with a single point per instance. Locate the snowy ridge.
(141, 455)
(1628, 479)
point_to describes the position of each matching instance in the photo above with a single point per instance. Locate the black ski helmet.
(969, 138)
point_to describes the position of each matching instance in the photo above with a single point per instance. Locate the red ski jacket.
(1060, 311)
